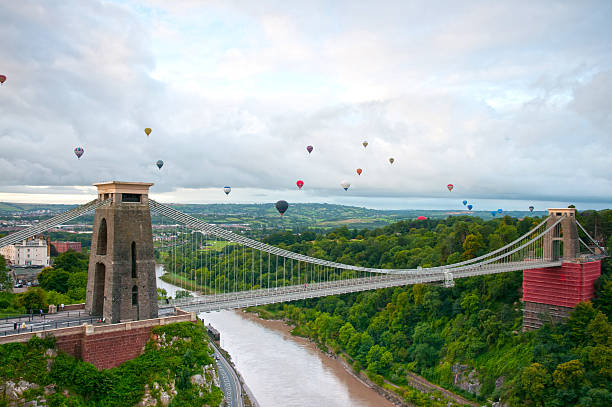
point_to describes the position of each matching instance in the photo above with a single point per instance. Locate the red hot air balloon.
(2, 78)
(359, 171)
(450, 187)
(299, 184)
(421, 218)
(309, 148)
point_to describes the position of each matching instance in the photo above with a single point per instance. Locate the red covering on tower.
(564, 286)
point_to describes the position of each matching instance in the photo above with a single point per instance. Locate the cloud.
(234, 92)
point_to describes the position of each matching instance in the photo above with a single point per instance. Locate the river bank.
(390, 391)
(283, 369)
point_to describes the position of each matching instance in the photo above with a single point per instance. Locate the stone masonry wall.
(104, 346)
(110, 349)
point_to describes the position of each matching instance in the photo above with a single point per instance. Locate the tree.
(71, 261)
(599, 330)
(472, 245)
(470, 303)
(54, 279)
(33, 299)
(533, 382)
(579, 319)
(569, 375)
(6, 283)
(603, 301)
(77, 286)
(345, 333)
(597, 398)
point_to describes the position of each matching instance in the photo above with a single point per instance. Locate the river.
(281, 369)
(284, 370)
(170, 289)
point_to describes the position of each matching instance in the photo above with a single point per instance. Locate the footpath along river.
(284, 370)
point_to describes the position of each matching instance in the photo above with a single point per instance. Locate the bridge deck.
(264, 296)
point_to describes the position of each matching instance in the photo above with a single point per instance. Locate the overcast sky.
(509, 101)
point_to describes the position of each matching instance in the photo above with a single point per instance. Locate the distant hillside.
(9, 207)
(298, 216)
(322, 216)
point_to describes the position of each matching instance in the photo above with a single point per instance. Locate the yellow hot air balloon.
(148, 131)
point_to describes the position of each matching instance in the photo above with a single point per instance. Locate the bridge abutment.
(550, 294)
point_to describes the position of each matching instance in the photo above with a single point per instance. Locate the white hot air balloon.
(227, 190)
(345, 185)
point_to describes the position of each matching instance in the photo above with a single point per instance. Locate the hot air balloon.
(470, 207)
(309, 148)
(148, 131)
(365, 144)
(2, 79)
(450, 187)
(391, 160)
(359, 171)
(281, 207)
(531, 208)
(345, 185)
(299, 184)
(464, 203)
(79, 152)
(227, 189)
(421, 218)
(159, 164)
(499, 210)
(493, 213)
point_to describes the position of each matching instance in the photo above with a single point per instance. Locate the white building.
(33, 252)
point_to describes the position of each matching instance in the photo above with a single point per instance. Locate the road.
(230, 384)
(49, 321)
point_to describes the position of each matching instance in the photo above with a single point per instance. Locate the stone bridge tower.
(121, 282)
(562, 241)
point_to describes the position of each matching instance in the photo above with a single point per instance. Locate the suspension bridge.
(225, 270)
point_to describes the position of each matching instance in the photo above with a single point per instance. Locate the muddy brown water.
(284, 370)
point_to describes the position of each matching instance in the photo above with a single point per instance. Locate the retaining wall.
(104, 346)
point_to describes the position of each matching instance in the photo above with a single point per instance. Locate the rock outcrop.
(466, 378)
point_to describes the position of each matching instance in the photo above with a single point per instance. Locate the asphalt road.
(49, 321)
(230, 384)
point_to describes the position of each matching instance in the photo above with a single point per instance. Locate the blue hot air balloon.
(499, 210)
(493, 213)
(470, 207)
(464, 203)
